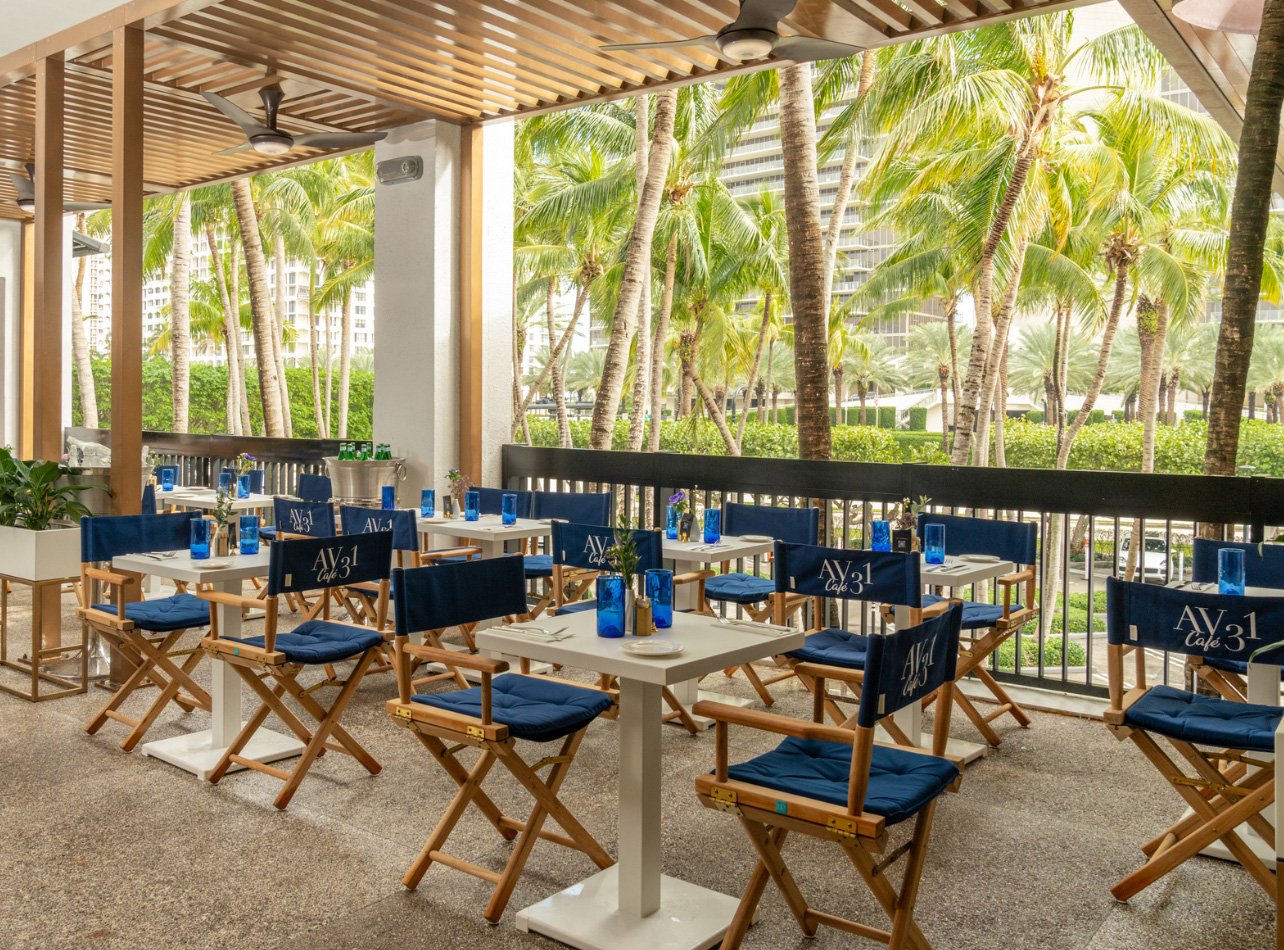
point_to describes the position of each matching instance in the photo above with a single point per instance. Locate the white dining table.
(198, 752)
(206, 499)
(634, 905)
(488, 532)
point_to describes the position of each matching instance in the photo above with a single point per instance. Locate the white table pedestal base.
(196, 752)
(587, 916)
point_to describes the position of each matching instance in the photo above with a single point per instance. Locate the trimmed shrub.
(1034, 415)
(918, 419)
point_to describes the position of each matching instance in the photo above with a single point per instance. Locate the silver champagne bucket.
(361, 483)
(98, 498)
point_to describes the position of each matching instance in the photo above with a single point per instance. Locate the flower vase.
(222, 544)
(630, 610)
(685, 525)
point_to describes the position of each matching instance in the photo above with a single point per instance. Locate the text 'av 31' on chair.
(298, 519)
(1263, 567)
(580, 554)
(578, 507)
(270, 664)
(987, 625)
(489, 718)
(755, 595)
(146, 633)
(841, 786)
(1223, 768)
(361, 599)
(864, 577)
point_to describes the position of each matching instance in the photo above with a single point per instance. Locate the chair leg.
(758, 685)
(769, 857)
(680, 712)
(438, 750)
(168, 694)
(1002, 696)
(987, 732)
(739, 926)
(450, 817)
(131, 683)
(884, 893)
(904, 914)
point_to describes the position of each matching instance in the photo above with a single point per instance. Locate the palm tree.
(1266, 373)
(871, 367)
(97, 224)
(167, 245)
(1037, 358)
(930, 363)
(247, 218)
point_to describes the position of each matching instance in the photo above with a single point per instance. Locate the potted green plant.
(39, 515)
(904, 535)
(459, 485)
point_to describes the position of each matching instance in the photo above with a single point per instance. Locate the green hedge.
(1035, 416)
(206, 406)
(918, 418)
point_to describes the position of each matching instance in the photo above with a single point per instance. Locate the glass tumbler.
(1230, 571)
(934, 543)
(200, 547)
(249, 534)
(659, 588)
(508, 508)
(610, 605)
(880, 536)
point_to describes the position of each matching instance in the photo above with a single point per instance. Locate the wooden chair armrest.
(770, 722)
(464, 550)
(1019, 577)
(821, 671)
(111, 577)
(229, 600)
(692, 577)
(469, 661)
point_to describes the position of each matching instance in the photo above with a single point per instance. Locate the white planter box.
(39, 555)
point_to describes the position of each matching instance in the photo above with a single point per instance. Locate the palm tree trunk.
(1103, 363)
(839, 418)
(555, 354)
(278, 328)
(998, 348)
(1174, 383)
(641, 354)
(345, 361)
(943, 382)
(861, 393)
(657, 345)
(637, 271)
(1001, 411)
(80, 344)
(713, 405)
(951, 313)
(180, 319)
(846, 178)
(753, 368)
(1250, 211)
(234, 289)
(555, 364)
(231, 334)
(313, 356)
(1152, 328)
(329, 374)
(806, 262)
(260, 306)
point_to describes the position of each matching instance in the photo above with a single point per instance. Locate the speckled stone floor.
(106, 849)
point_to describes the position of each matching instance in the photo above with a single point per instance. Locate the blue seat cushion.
(1205, 720)
(976, 615)
(578, 606)
(1233, 666)
(834, 647)
(538, 565)
(320, 641)
(532, 707)
(900, 782)
(739, 588)
(164, 614)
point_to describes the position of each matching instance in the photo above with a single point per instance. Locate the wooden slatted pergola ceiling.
(363, 65)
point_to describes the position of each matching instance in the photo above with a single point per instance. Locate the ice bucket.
(359, 483)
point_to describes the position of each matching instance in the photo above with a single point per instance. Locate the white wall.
(26, 22)
(497, 294)
(10, 326)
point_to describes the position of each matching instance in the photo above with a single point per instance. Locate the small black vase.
(902, 540)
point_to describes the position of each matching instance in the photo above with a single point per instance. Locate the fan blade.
(243, 147)
(806, 49)
(667, 44)
(23, 185)
(338, 139)
(86, 205)
(762, 14)
(249, 125)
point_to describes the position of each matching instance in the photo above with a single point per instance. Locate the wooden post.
(27, 346)
(47, 328)
(470, 302)
(127, 270)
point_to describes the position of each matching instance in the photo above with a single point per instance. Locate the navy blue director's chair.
(1222, 769)
(270, 664)
(490, 717)
(1263, 567)
(579, 507)
(987, 625)
(145, 632)
(840, 785)
(360, 600)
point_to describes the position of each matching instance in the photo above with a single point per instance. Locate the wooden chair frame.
(1225, 683)
(257, 666)
(1223, 789)
(769, 816)
(444, 734)
(156, 658)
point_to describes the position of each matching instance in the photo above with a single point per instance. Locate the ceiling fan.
(755, 34)
(266, 139)
(25, 185)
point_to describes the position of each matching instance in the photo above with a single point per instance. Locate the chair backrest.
(310, 518)
(1263, 563)
(148, 505)
(305, 564)
(256, 478)
(400, 521)
(792, 525)
(314, 488)
(490, 501)
(1213, 626)
(584, 546)
(579, 507)
(103, 537)
(881, 576)
(1015, 541)
(903, 667)
(431, 598)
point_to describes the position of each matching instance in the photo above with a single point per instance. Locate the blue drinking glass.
(713, 526)
(610, 605)
(508, 508)
(200, 547)
(472, 505)
(243, 486)
(934, 543)
(225, 482)
(388, 497)
(1230, 571)
(167, 479)
(671, 518)
(880, 536)
(427, 503)
(249, 536)
(659, 588)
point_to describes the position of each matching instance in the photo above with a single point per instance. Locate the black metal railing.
(1087, 522)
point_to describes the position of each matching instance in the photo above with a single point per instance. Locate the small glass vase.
(611, 606)
(243, 486)
(671, 518)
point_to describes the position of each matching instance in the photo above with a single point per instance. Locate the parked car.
(1154, 560)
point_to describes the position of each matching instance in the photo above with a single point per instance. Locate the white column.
(10, 328)
(68, 288)
(497, 295)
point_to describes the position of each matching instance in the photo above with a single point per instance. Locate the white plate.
(756, 537)
(980, 558)
(648, 647)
